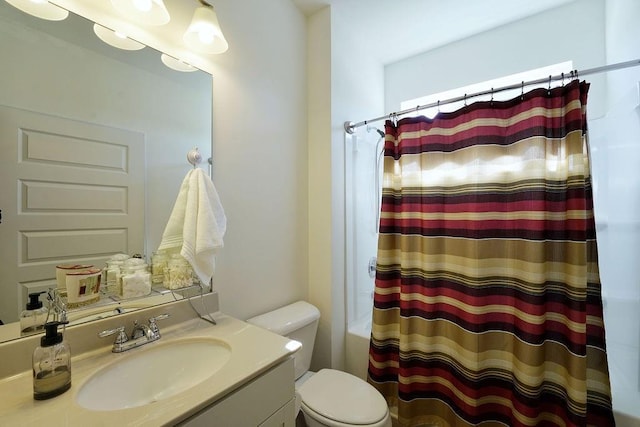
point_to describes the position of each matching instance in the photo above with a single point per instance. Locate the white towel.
(197, 224)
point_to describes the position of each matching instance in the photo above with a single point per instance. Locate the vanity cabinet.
(285, 417)
(265, 401)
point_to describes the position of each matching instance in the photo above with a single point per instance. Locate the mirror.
(61, 74)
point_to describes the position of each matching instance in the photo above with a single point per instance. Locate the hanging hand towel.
(197, 224)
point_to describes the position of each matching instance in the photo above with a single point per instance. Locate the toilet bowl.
(328, 398)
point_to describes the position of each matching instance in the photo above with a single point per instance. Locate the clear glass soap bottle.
(51, 364)
(33, 316)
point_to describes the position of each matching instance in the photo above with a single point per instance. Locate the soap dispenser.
(51, 364)
(33, 317)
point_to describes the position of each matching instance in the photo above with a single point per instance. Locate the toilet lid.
(343, 397)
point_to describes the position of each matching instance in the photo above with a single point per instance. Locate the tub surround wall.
(617, 200)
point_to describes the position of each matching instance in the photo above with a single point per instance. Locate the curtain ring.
(465, 99)
(491, 97)
(438, 105)
(522, 91)
(562, 75)
(576, 71)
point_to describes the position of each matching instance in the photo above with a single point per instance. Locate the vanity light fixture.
(204, 34)
(150, 12)
(41, 9)
(176, 64)
(116, 39)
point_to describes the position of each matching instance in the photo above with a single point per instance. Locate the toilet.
(328, 398)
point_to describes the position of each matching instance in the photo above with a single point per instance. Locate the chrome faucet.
(57, 308)
(141, 331)
(140, 334)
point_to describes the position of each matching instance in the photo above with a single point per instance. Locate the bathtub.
(623, 356)
(357, 347)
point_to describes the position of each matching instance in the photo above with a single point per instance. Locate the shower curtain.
(487, 306)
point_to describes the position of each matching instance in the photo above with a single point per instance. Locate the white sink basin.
(153, 373)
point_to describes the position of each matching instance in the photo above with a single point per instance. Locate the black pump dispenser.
(34, 301)
(51, 334)
(32, 318)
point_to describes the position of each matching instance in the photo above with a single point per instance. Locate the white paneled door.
(70, 192)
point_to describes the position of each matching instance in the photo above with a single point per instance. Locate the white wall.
(320, 191)
(354, 85)
(547, 38)
(260, 155)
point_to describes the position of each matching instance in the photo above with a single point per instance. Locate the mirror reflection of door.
(76, 194)
(61, 69)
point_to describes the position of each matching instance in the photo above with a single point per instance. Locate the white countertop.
(254, 350)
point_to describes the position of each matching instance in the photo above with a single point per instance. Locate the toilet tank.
(297, 321)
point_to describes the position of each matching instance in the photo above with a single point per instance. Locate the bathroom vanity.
(196, 374)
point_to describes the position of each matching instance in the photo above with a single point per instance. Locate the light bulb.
(148, 12)
(142, 5)
(206, 35)
(176, 64)
(116, 38)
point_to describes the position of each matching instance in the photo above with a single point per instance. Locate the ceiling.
(415, 26)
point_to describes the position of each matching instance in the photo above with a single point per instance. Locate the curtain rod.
(350, 127)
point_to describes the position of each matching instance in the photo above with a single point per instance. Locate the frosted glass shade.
(41, 9)
(115, 39)
(149, 12)
(176, 64)
(204, 34)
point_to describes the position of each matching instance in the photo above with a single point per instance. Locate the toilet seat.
(336, 398)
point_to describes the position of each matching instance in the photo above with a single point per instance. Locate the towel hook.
(194, 157)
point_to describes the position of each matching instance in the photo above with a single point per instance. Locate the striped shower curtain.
(487, 307)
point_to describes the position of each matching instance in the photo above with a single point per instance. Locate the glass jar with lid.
(130, 267)
(159, 261)
(180, 272)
